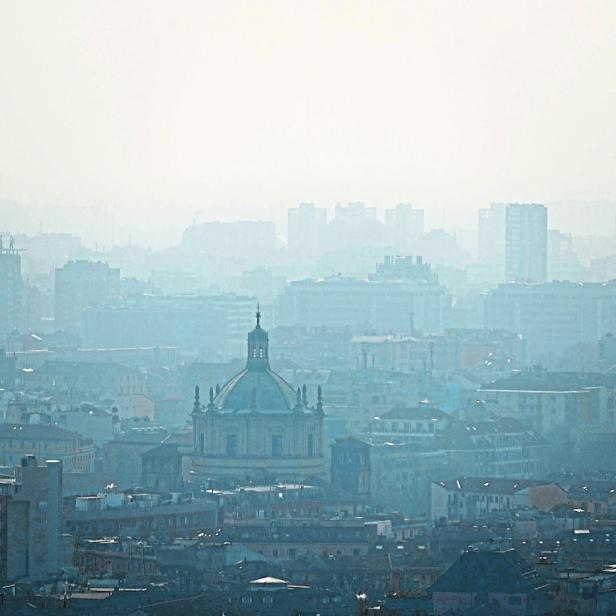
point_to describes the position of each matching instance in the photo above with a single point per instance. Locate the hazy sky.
(240, 109)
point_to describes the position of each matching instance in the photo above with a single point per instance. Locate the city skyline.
(248, 110)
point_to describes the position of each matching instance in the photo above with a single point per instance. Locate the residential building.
(403, 297)
(123, 455)
(354, 226)
(161, 469)
(91, 422)
(11, 290)
(147, 515)
(350, 466)
(553, 317)
(31, 522)
(557, 405)
(46, 442)
(491, 240)
(563, 262)
(500, 582)
(470, 498)
(80, 285)
(305, 228)
(404, 225)
(526, 252)
(93, 379)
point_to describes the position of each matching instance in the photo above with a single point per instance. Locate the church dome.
(257, 388)
(261, 390)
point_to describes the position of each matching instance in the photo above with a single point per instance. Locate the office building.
(526, 238)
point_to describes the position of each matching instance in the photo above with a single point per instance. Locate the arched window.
(261, 353)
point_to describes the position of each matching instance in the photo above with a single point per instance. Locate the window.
(310, 445)
(201, 442)
(276, 446)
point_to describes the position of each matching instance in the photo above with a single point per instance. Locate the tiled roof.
(36, 431)
(487, 572)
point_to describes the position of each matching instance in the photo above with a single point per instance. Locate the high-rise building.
(10, 288)
(405, 226)
(80, 285)
(563, 262)
(526, 239)
(491, 240)
(31, 542)
(353, 227)
(305, 226)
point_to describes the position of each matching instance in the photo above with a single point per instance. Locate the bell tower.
(258, 343)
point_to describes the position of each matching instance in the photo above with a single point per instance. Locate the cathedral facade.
(257, 427)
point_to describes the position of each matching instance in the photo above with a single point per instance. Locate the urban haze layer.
(307, 308)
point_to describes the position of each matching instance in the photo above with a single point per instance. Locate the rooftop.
(490, 485)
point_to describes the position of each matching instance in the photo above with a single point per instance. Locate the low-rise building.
(499, 582)
(46, 441)
(122, 456)
(143, 516)
(469, 498)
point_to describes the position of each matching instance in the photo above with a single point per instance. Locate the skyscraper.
(526, 240)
